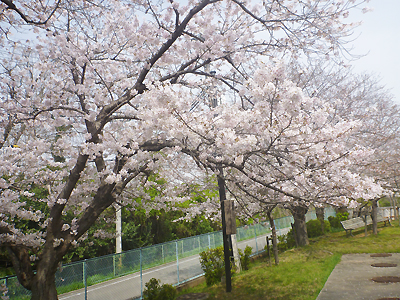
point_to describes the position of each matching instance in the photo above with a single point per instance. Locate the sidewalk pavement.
(352, 279)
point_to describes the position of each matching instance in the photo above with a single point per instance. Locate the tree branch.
(11, 6)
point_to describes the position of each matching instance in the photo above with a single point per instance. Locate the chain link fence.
(123, 275)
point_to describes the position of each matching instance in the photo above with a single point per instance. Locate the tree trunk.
(274, 238)
(300, 228)
(294, 235)
(40, 282)
(375, 217)
(44, 283)
(44, 286)
(365, 225)
(320, 211)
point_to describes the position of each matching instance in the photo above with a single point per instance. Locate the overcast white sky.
(379, 38)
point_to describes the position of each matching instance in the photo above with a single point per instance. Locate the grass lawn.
(302, 272)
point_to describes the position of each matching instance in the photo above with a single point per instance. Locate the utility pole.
(227, 214)
(118, 227)
(227, 242)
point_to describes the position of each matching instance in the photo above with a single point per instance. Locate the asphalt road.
(129, 287)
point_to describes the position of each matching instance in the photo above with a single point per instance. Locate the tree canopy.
(97, 96)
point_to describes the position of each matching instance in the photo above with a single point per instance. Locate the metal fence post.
(177, 258)
(141, 274)
(182, 247)
(6, 283)
(85, 277)
(255, 235)
(114, 264)
(209, 240)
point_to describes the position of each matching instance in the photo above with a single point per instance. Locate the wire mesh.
(126, 263)
(70, 277)
(15, 289)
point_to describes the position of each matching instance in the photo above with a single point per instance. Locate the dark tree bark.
(393, 204)
(20, 260)
(320, 211)
(365, 225)
(299, 226)
(374, 217)
(42, 282)
(43, 285)
(274, 238)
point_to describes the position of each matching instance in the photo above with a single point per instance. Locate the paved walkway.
(351, 279)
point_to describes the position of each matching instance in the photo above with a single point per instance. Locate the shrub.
(314, 228)
(154, 291)
(342, 216)
(327, 226)
(335, 221)
(212, 263)
(167, 292)
(282, 246)
(286, 241)
(245, 257)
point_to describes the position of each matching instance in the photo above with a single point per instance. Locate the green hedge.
(314, 228)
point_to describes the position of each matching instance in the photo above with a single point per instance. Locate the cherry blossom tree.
(362, 98)
(285, 143)
(359, 97)
(97, 95)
